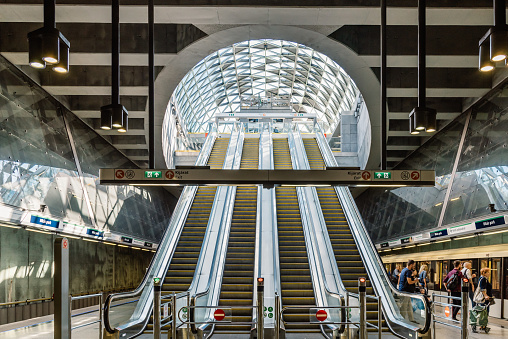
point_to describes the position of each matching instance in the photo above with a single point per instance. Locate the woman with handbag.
(483, 299)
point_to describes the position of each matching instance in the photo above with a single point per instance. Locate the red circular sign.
(119, 174)
(321, 315)
(170, 174)
(447, 312)
(65, 243)
(366, 175)
(219, 314)
(415, 175)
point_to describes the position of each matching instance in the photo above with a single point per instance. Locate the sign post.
(362, 290)
(260, 311)
(62, 328)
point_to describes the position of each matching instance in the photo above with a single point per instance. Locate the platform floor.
(43, 328)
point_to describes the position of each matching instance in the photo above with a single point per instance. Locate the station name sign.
(204, 176)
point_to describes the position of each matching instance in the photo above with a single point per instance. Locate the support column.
(62, 329)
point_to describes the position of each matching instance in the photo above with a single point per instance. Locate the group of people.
(411, 281)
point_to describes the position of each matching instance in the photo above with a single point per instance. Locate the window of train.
(434, 275)
(496, 277)
(444, 271)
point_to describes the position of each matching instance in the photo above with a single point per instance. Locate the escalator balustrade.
(296, 282)
(183, 264)
(237, 282)
(346, 253)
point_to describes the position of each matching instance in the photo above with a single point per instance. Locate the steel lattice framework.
(315, 83)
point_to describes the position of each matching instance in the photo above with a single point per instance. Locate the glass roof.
(315, 83)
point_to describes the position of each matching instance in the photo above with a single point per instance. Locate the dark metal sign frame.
(269, 178)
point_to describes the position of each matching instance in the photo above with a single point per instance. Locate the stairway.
(237, 283)
(348, 258)
(183, 264)
(296, 282)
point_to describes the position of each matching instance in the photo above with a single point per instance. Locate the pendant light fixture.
(422, 118)
(493, 46)
(115, 115)
(47, 45)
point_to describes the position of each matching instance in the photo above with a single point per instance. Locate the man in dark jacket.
(455, 292)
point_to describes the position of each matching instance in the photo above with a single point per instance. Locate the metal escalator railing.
(295, 278)
(346, 253)
(401, 322)
(205, 288)
(237, 282)
(135, 316)
(328, 286)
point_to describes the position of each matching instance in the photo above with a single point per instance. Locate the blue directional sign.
(44, 221)
(95, 233)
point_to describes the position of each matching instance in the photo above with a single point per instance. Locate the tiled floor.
(43, 328)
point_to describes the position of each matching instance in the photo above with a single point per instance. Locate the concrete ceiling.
(345, 30)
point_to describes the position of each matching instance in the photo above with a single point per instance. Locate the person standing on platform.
(395, 276)
(407, 283)
(422, 278)
(468, 273)
(452, 283)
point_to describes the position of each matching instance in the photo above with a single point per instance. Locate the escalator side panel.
(296, 281)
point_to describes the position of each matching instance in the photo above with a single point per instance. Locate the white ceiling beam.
(230, 15)
(98, 59)
(438, 92)
(131, 146)
(433, 61)
(401, 147)
(440, 115)
(97, 114)
(96, 90)
(115, 132)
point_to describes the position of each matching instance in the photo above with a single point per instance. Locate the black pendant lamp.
(47, 45)
(422, 118)
(115, 115)
(493, 46)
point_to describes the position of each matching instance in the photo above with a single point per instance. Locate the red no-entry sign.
(219, 314)
(321, 315)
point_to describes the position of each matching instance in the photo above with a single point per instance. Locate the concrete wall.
(364, 136)
(26, 266)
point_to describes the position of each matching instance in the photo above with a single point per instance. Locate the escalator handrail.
(231, 193)
(360, 226)
(181, 206)
(379, 261)
(303, 206)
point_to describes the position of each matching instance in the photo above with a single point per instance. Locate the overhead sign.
(127, 240)
(437, 234)
(490, 222)
(44, 221)
(95, 233)
(201, 176)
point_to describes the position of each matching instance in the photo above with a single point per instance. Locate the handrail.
(227, 212)
(304, 204)
(24, 301)
(355, 221)
(178, 217)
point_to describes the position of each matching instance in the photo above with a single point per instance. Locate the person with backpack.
(407, 283)
(452, 284)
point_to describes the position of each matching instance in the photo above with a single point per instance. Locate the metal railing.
(458, 324)
(71, 299)
(161, 259)
(370, 256)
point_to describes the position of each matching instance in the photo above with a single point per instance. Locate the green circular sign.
(270, 315)
(270, 309)
(185, 310)
(264, 309)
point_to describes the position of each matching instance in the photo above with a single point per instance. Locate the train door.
(495, 279)
(445, 266)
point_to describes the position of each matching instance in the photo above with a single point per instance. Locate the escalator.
(295, 278)
(183, 264)
(237, 282)
(348, 258)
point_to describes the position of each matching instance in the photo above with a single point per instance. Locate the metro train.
(439, 265)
